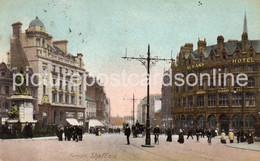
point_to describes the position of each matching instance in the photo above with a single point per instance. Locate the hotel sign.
(242, 60)
(195, 66)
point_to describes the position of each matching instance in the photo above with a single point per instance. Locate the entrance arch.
(200, 121)
(190, 121)
(224, 123)
(250, 122)
(183, 121)
(237, 122)
(212, 122)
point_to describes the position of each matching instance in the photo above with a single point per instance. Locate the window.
(72, 88)
(200, 100)
(80, 101)
(223, 99)
(250, 99)
(60, 70)
(72, 99)
(53, 82)
(251, 53)
(190, 101)
(0, 89)
(6, 89)
(60, 84)
(61, 98)
(66, 86)
(53, 68)
(236, 99)
(250, 68)
(200, 58)
(184, 87)
(72, 72)
(212, 100)
(54, 97)
(2, 74)
(184, 102)
(43, 43)
(66, 71)
(251, 82)
(237, 69)
(38, 41)
(67, 99)
(44, 89)
(224, 55)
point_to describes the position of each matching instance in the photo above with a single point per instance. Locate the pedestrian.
(231, 136)
(223, 137)
(169, 135)
(80, 133)
(250, 139)
(181, 137)
(156, 132)
(189, 134)
(209, 135)
(238, 135)
(127, 133)
(197, 134)
(60, 132)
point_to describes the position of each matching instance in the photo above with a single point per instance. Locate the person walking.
(181, 137)
(250, 139)
(223, 137)
(231, 136)
(189, 134)
(156, 132)
(238, 135)
(127, 133)
(197, 134)
(209, 135)
(169, 135)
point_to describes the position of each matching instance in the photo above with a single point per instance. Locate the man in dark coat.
(80, 133)
(189, 133)
(127, 133)
(156, 132)
(197, 134)
(181, 137)
(169, 135)
(238, 135)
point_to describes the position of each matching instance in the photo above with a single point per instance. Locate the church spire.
(245, 24)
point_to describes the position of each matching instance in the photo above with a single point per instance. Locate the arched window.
(250, 122)
(236, 122)
(200, 121)
(38, 41)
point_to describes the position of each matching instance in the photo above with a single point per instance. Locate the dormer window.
(212, 57)
(38, 41)
(3, 74)
(251, 53)
(237, 53)
(200, 58)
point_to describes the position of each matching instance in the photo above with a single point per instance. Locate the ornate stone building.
(221, 106)
(50, 58)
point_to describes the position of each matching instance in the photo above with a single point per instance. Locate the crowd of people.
(74, 133)
(241, 136)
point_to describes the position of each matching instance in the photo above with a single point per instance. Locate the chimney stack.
(17, 29)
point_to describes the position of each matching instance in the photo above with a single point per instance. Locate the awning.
(95, 122)
(73, 122)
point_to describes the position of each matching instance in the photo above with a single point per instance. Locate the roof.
(36, 22)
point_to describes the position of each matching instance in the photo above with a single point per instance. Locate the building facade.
(59, 99)
(218, 105)
(166, 112)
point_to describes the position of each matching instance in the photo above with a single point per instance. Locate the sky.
(103, 29)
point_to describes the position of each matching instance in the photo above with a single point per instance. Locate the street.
(113, 147)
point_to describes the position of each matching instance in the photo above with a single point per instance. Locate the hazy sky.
(107, 27)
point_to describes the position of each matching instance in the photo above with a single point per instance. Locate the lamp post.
(147, 62)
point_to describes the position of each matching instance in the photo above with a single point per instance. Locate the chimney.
(220, 44)
(202, 45)
(17, 29)
(80, 55)
(188, 47)
(61, 44)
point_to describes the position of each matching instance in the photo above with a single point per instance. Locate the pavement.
(109, 147)
(245, 145)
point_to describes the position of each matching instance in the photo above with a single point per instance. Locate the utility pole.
(147, 61)
(133, 99)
